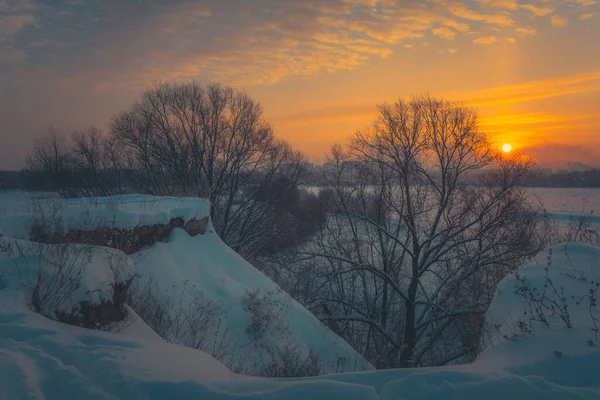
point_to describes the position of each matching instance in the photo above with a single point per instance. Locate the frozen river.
(568, 200)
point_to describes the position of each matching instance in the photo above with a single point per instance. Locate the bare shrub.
(149, 303)
(287, 362)
(550, 301)
(579, 229)
(57, 271)
(52, 272)
(186, 318)
(266, 317)
(52, 277)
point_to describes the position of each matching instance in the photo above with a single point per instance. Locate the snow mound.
(260, 318)
(43, 359)
(568, 277)
(63, 275)
(19, 210)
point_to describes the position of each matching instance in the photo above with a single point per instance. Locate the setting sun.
(507, 148)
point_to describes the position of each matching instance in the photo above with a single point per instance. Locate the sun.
(507, 147)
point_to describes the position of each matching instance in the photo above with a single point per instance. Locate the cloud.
(461, 10)
(486, 40)
(526, 31)
(444, 33)
(501, 122)
(509, 4)
(533, 90)
(559, 21)
(458, 26)
(539, 11)
(550, 154)
(585, 17)
(522, 92)
(12, 23)
(14, 15)
(584, 2)
(248, 43)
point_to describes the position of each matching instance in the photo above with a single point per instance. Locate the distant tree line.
(589, 177)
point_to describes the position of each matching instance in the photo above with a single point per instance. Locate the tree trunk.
(410, 332)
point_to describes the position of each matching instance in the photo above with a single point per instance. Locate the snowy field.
(528, 358)
(568, 200)
(562, 203)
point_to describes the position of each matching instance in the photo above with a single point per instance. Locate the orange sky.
(531, 67)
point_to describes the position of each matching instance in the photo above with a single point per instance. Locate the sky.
(319, 68)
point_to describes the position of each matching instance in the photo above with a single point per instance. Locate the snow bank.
(570, 355)
(19, 210)
(43, 359)
(205, 264)
(66, 275)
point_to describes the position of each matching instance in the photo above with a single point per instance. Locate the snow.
(43, 359)
(564, 204)
(574, 268)
(205, 263)
(21, 261)
(182, 263)
(18, 210)
(567, 200)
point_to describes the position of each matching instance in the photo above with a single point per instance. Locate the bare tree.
(190, 140)
(98, 164)
(89, 164)
(426, 220)
(50, 161)
(210, 142)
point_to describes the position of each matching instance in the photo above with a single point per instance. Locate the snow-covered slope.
(88, 273)
(252, 322)
(43, 359)
(205, 264)
(18, 210)
(569, 275)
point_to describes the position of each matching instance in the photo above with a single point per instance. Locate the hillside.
(44, 359)
(216, 301)
(529, 355)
